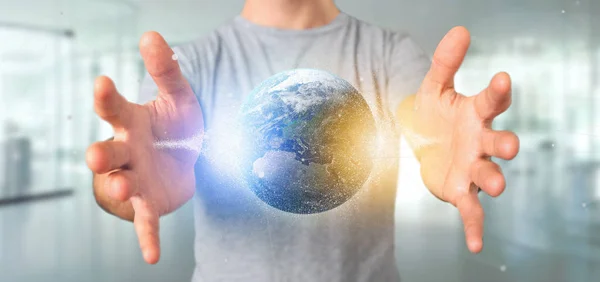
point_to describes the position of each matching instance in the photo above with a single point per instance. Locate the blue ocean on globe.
(307, 141)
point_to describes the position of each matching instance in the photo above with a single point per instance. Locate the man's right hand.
(137, 177)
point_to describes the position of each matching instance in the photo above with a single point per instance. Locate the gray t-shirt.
(240, 238)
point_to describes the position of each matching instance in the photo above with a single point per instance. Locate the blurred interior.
(544, 228)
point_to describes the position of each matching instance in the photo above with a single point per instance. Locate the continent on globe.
(307, 138)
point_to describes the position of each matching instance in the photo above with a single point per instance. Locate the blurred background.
(546, 227)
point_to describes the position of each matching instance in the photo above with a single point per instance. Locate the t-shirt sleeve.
(407, 66)
(186, 59)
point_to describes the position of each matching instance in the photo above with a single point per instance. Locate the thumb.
(164, 69)
(447, 59)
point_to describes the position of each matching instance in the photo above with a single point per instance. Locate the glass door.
(35, 70)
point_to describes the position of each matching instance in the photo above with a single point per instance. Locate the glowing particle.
(503, 268)
(261, 174)
(584, 205)
(553, 145)
(563, 11)
(175, 57)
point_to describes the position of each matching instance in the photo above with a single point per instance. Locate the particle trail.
(416, 140)
(193, 143)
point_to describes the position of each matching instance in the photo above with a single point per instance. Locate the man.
(199, 89)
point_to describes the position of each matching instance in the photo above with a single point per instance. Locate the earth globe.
(307, 141)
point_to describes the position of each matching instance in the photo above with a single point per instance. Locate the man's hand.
(143, 178)
(453, 138)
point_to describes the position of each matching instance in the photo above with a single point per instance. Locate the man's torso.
(240, 238)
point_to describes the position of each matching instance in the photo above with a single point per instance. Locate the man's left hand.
(453, 138)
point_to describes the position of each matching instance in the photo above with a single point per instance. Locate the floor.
(546, 227)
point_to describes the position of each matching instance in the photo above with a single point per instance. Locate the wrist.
(406, 123)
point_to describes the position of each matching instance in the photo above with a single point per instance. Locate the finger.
(472, 216)
(495, 99)
(108, 103)
(164, 70)
(447, 59)
(500, 144)
(103, 157)
(488, 176)
(121, 185)
(146, 226)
